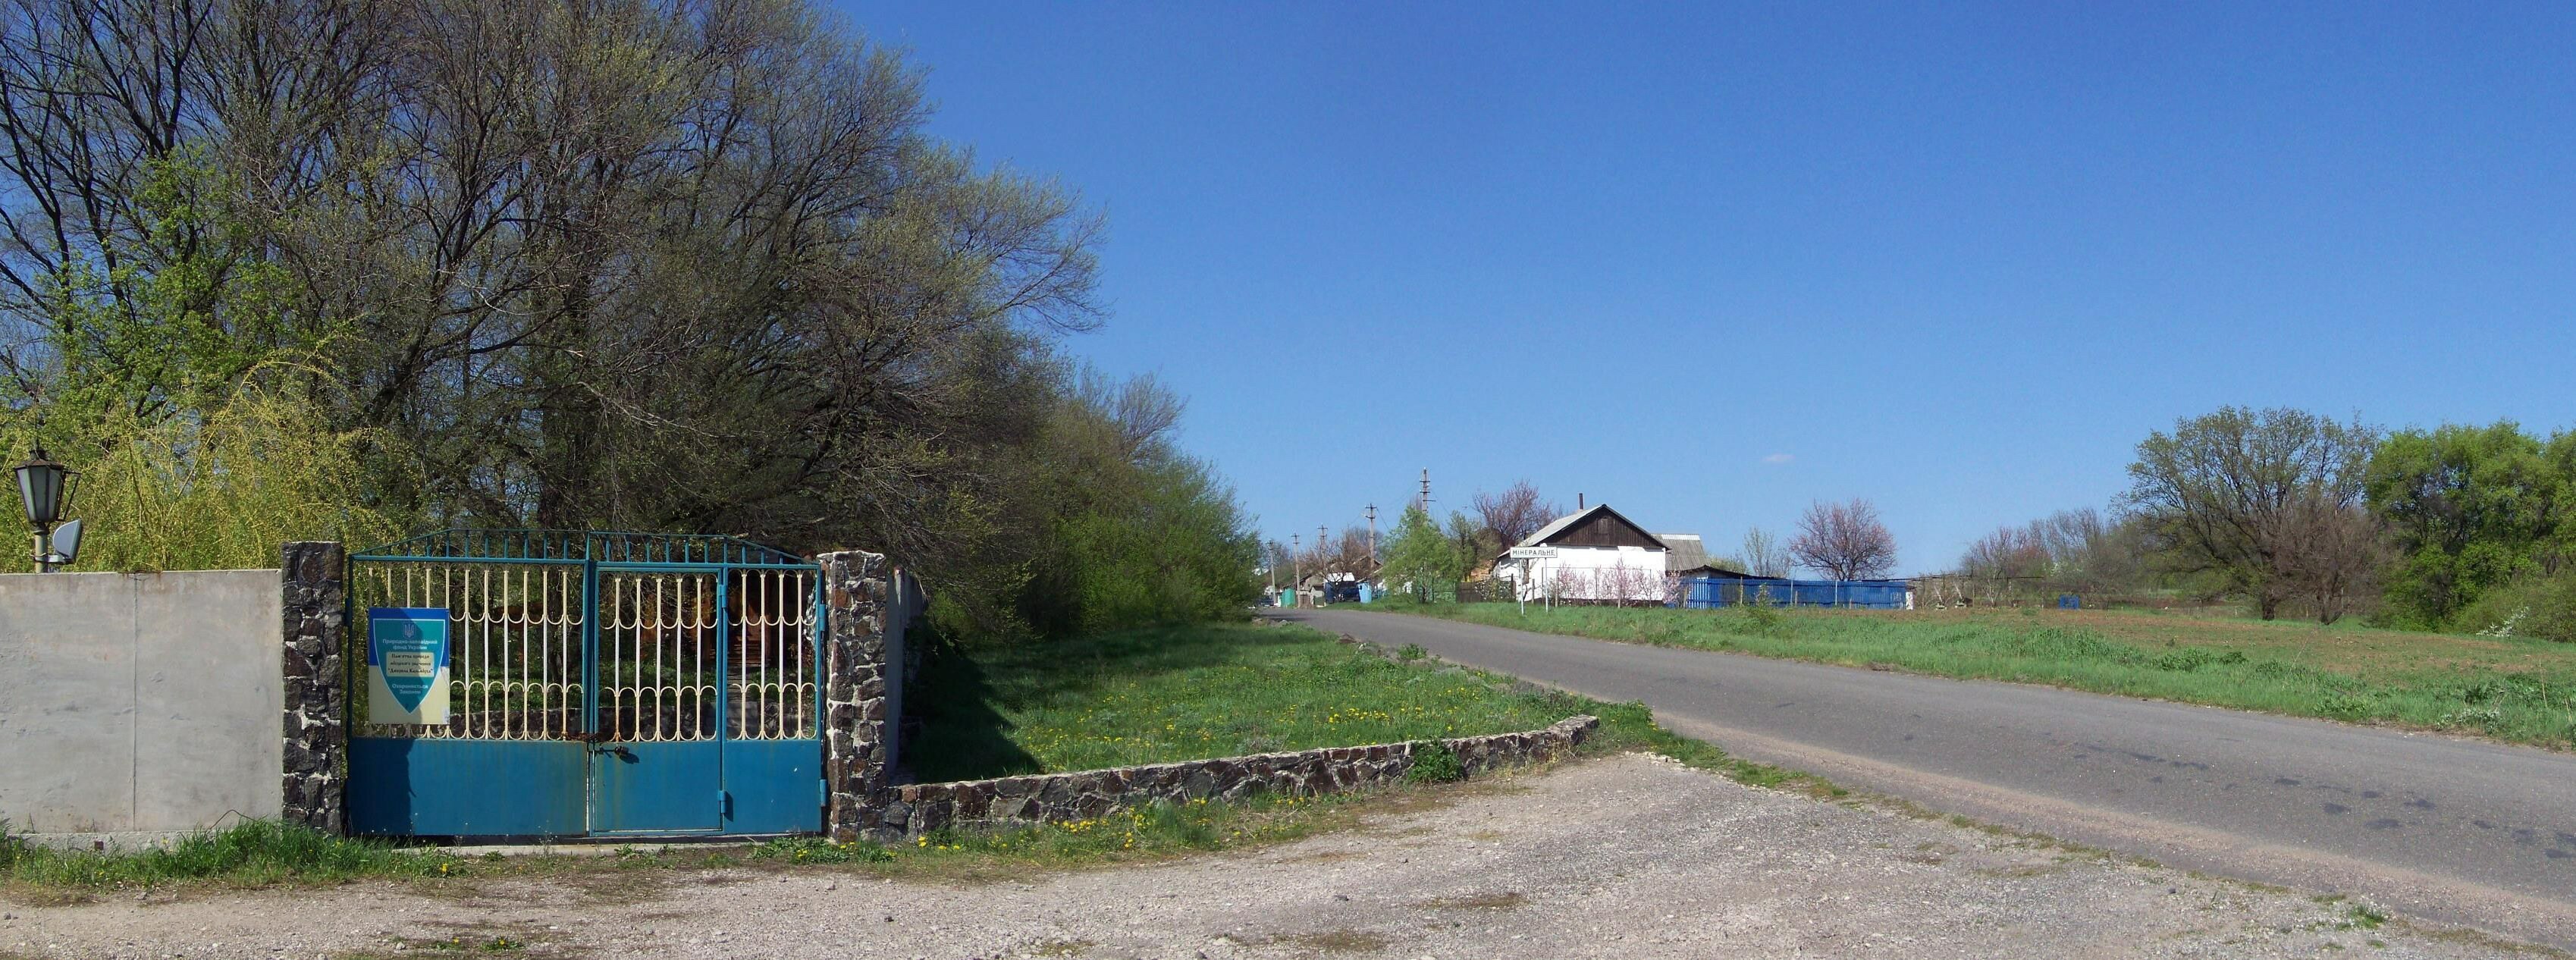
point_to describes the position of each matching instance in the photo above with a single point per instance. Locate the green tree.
(661, 265)
(1420, 559)
(2469, 509)
(2259, 498)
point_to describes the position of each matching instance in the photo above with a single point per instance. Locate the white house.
(1593, 555)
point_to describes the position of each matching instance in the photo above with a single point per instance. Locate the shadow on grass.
(966, 689)
(962, 736)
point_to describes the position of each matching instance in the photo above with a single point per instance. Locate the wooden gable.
(1604, 527)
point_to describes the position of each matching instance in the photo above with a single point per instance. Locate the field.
(1186, 693)
(2515, 689)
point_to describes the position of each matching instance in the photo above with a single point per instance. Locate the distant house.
(1687, 556)
(1597, 556)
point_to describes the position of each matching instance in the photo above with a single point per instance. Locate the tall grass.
(256, 852)
(2516, 689)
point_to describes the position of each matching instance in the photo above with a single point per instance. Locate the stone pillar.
(857, 723)
(316, 685)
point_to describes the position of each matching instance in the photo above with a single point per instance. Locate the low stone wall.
(1088, 794)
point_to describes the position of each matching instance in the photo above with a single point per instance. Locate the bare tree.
(2077, 550)
(2328, 554)
(2009, 553)
(1763, 555)
(1845, 540)
(1514, 514)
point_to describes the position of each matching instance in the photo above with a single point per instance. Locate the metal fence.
(1702, 593)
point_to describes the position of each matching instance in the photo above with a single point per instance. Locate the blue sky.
(1711, 262)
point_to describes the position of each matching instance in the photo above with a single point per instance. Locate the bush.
(215, 491)
(1434, 762)
(2533, 605)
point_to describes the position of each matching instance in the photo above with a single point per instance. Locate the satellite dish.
(67, 541)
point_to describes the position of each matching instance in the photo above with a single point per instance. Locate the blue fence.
(1702, 593)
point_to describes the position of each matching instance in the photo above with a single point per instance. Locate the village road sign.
(1533, 553)
(407, 665)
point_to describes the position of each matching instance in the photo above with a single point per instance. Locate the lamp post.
(45, 490)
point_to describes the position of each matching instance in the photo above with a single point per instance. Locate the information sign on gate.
(407, 665)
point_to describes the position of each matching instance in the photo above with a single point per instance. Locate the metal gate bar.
(599, 683)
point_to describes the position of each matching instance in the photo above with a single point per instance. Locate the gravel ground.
(1631, 856)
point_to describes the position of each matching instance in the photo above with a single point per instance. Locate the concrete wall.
(904, 603)
(137, 706)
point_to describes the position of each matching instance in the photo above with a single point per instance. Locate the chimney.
(1578, 503)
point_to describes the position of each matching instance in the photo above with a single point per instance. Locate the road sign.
(1533, 553)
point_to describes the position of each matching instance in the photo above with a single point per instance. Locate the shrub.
(1434, 762)
(214, 491)
(2533, 605)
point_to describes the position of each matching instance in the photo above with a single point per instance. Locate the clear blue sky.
(1711, 262)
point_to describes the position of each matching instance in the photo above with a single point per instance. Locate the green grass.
(1186, 693)
(2514, 689)
(1215, 690)
(255, 853)
(266, 854)
(1133, 697)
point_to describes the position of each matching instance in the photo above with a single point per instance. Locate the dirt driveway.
(1624, 857)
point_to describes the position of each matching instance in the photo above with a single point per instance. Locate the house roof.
(1560, 526)
(1686, 550)
(1710, 569)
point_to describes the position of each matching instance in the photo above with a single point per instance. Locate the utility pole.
(1296, 594)
(1372, 517)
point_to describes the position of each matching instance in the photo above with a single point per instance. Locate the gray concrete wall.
(138, 706)
(904, 604)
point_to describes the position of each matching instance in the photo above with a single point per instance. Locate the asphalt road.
(2449, 829)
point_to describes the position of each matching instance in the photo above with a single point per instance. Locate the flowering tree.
(1845, 540)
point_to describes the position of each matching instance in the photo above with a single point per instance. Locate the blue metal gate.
(597, 684)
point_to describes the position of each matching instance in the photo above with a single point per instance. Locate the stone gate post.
(315, 684)
(858, 675)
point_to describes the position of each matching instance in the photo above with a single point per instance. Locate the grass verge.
(1136, 697)
(2515, 689)
(267, 854)
(1185, 693)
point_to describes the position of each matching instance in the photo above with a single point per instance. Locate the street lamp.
(45, 490)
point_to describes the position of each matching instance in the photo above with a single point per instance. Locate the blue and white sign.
(407, 665)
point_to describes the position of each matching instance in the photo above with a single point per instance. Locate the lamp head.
(44, 489)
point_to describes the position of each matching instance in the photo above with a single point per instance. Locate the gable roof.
(1687, 550)
(1559, 527)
